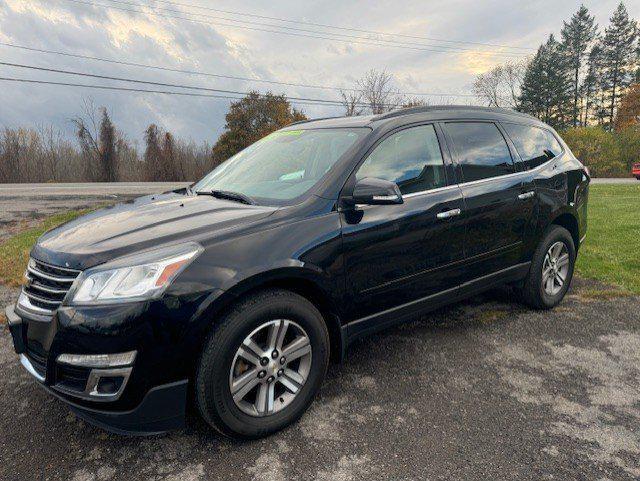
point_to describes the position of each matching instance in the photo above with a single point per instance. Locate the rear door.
(536, 147)
(499, 198)
(396, 254)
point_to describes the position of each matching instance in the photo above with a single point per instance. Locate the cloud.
(202, 45)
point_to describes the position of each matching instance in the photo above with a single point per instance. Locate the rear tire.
(551, 270)
(260, 323)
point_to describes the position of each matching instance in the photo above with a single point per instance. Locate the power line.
(350, 29)
(248, 22)
(377, 44)
(213, 75)
(128, 89)
(164, 92)
(162, 84)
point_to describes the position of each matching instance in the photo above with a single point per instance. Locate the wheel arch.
(570, 222)
(303, 281)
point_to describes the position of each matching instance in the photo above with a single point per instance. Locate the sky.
(445, 44)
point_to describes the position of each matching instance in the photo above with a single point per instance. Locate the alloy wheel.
(270, 367)
(555, 268)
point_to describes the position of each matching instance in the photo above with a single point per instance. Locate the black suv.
(235, 293)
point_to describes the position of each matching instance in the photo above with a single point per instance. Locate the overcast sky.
(150, 36)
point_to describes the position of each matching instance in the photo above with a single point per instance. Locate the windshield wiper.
(229, 195)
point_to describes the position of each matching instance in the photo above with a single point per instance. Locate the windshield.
(283, 165)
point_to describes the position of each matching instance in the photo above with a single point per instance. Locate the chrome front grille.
(46, 286)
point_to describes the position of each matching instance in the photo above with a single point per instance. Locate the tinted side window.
(535, 145)
(481, 150)
(411, 158)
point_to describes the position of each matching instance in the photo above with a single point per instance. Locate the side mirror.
(374, 191)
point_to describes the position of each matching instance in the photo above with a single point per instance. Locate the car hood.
(140, 224)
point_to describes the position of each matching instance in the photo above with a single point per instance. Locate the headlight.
(141, 276)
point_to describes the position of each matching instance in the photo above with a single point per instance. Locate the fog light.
(109, 385)
(98, 360)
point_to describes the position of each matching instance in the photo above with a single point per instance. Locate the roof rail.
(313, 120)
(432, 108)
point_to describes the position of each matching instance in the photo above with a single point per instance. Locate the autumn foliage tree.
(251, 118)
(628, 114)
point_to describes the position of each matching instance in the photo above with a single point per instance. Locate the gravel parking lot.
(483, 390)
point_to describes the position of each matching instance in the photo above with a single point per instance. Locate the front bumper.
(160, 408)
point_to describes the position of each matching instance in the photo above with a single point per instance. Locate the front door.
(397, 254)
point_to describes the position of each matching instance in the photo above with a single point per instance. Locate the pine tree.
(532, 99)
(577, 36)
(108, 150)
(593, 85)
(546, 88)
(152, 153)
(619, 55)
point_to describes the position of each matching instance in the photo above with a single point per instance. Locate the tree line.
(576, 80)
(585, 83)
(102, 153)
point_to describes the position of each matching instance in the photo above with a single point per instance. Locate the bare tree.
(513, 75)
(87, 127)
(378, 91)
(52, 142)
(487, 86)
(10, 147)
(500, 86)
(414, 102)
(100, 142)
(352, 102)
(88, 134)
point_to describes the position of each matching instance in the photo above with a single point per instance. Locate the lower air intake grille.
(38, 357)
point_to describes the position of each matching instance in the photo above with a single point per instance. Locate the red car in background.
(635, 170)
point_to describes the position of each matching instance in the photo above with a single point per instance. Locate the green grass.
(14, 252)
(611, 252)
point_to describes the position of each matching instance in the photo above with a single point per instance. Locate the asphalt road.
(482, 390)
(91, 189)
(22, 205)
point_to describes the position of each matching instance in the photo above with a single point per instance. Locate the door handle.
(526, 195)
(449, 213)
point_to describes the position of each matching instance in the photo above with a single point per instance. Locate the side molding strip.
(396, 315)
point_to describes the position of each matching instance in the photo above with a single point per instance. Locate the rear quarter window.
(535, 145)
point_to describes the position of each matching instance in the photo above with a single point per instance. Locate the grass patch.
(611, 252)
(603, 294)
(14, 252)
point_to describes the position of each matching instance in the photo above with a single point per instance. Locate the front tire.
(551, 269)
(263, 364)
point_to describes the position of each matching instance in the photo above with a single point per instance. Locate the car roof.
(416, 114)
